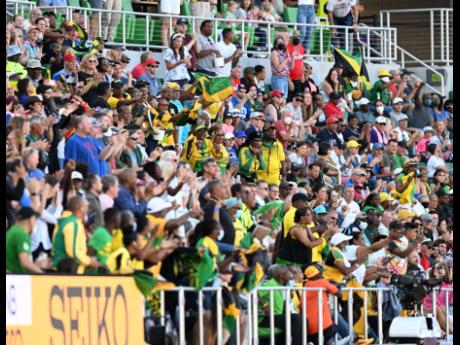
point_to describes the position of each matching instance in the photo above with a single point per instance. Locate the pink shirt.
(227, 128)
(106, 201)
(421, 146)
(440, 297)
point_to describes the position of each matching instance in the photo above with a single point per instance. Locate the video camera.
(413, 288)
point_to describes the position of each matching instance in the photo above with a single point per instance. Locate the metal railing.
(426, 32)
(448, 291)
(399, 56)
(19, 7)
(144, 31)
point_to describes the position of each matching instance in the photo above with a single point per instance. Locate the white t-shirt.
(226, 50)
(433, 163)
(350, 254)
(297, 111)
(403, 135)
(306, 2)
(340, 8)
(353, 211)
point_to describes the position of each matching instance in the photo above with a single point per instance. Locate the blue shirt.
(246, 108)
(103, 165)
(36, 173)
(83, 150)
(441, 116)
(154, 84)
(125, 201)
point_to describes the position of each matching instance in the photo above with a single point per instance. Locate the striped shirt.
(340, 8)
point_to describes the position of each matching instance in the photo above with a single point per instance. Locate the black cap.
(182, 21)
(43, 88)
(32, 100)
(241, 87)
(125, 58)
(298, 94)
(335, 95)
(338, 64)
(25, 213)
(254, 136)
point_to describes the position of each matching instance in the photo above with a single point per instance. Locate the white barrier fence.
(252, 312)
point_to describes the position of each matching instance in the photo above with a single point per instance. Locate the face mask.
(427, 102)
(295, 41)
(363, 225)
(288, 120)
(221, 235)
(435, 102)
(353, 83)
(385, 79)
(380, 109)
(291, 283)
(425, 204)
(239, 213)
(281, 46)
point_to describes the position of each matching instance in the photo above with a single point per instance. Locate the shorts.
(170, 6)
(96, 4)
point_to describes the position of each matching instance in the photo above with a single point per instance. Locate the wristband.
(216, 209)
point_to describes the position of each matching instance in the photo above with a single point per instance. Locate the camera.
(412, 289)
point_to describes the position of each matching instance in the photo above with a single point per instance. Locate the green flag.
(231, 310)
(277, 218)
(145, 281)
(205, 271)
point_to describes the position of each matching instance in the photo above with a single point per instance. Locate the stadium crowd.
(317, 183)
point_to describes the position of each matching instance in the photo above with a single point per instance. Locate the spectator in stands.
(95, 18)
(306, 14)
(200, 9)
(169, 8)
(296, 53)
(281, 64)
(189, 40)
(206, 48)
(332, 83)
(332, 109)
(259, 77)
(229, 52)
(177, 61)
(363, 114)
(13, 65)
(381, 89)
(340, 13)
(141, 68)
(34, 14)
(19, 244)
(150, 78)
(110, 20)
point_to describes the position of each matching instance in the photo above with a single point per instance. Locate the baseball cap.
(385, 197)
(364, 101)
(426, 218)
(256, 114)
(335, 95)
(311, 271)
(241, 87)
(377, 146)
(34, 63)
(235, 112)
(94, 122)
(332, 119)
(409, 162)
(428, 129)
(398, 100)
(338, 64)
(25, 213)
(320, 209)
(381, 119)
(151, 61)
(402, 117)
(276, 93)
(353, 144)
(228, 136)
(70, 57)
(358, 172)
(339, 238)
(13, 50)
(125, 58)
(254, 136)
(76, 175)
(240, 134)
(182, 21)
(156, 205)
(249, 70)
(405, 213)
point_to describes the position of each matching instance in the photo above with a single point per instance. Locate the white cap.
(363, 101)
(398, 100)
(428, 129)
(228, 136)
(381, 119)
(157, 204)
(339, 238)
(76, 175)
(402, 117)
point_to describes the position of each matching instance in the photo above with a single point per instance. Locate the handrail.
(412, 10)
(415, 59)
(323, 44)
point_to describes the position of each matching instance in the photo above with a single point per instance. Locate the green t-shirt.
(17, 241)
(101, 241)
(384, 95)
(399, 160)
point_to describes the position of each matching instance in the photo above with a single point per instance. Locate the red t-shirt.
(331, 109)
(138, 71)
(425, 262)
(280, 126)
(235, 83)
(296, 71)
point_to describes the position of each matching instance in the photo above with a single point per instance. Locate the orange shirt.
(312, 304)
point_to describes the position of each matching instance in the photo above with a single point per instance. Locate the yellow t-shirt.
(117, 240)
(164, 123)
(240, 231)
(288, 221)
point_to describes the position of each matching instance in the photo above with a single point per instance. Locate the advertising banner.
(73, 310)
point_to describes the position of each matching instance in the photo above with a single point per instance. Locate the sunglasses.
(152, 66)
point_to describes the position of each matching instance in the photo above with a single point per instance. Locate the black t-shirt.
(91, 95)
(99, 102)
(325, 136)
(225, 221)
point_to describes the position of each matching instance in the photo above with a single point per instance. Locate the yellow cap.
(174, 86)
(385, 197)
(404, 214)
(383, 72)
(353, 144)
(311, 271)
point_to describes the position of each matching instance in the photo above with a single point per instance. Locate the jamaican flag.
(351, 63)
(214, 90)
(257, 262)
(230, 308)
(145, 282)
(277, 218)
(205, 271)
